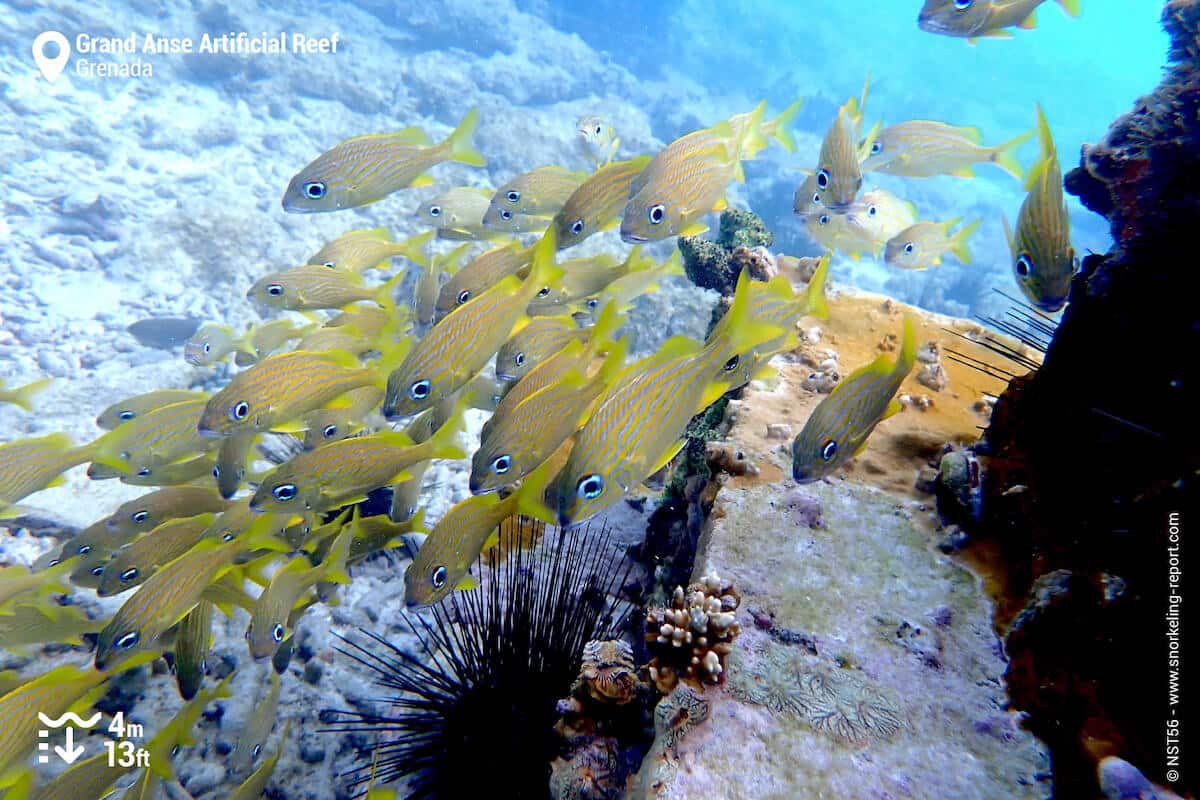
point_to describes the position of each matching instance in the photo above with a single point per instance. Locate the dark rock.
(224, 748)
(313, 672)
(311, 753)
(707, 261)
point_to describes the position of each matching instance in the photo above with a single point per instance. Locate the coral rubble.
(691, 638)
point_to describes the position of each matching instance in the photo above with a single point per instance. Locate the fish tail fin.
(753, 139)
(1029, 23)
(1004, 156)
(413, 248)
(783, 123)
(385, 293)
(444, 441)
(908, 345)
(1070, 6)
(743, 330)
(529, 499)
(23, 396)
(1045, 138)
(959, 242)
(814, 293)
(459, 142)
(603, 332)
(864, 149)
(614, 362)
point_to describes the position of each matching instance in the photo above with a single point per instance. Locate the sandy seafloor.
(160, 196)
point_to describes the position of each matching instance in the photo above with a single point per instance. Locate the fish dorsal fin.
(410, 135)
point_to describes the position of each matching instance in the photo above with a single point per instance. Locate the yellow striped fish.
(443, 564)
(257, 727)
(125, 410)
(370, 248)
(685, 181)
(22, 625)
(339, 420)
(364, 169)
(22, 396)
(638, 425)
(429, 283)
(922, 245)
(598, 202)
(839, 426)
(975, 18)
(838, 175)
(643, 279)
(834, 232)
(279, 389)
(1044, 262)
(17, 579)
(367, 321)
(314, 286)
(521, 440)
(262, 340)
(174, 474)
(207, 346)
(337, 473)
(135, 562)
(253, 787)
(154, 439)
(458, 214)
(162, 600)
(147, 512)
(597, 140)
(481, 274)
(581, 277)
(554, 366)
(30, 465)
(462, 343)
(528, 347)
(773, 303)
(230, 466)
(372, 534)
(921, 148)
(539, 192)
(193, 640)
(877, 216)
(269, 621)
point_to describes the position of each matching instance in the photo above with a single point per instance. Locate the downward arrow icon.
(70, 753)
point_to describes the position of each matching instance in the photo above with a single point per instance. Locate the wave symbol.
(71, 717)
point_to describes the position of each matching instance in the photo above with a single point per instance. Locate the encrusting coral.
(690, 639)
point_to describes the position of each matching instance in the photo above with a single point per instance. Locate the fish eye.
(314, 190)
(871, 211)
(143, 472)
(255, 751)
(207, 347)
(577, 227)
(501, 464)
(277, 632)
(908, 248)
(590, 487)
(963, 5)
(656, 214)
(274, 290)
(435, 211)
(545, 290)
(284, 492)
(1024, 265)
(829, 450)
(816, 198)
(239, 411)
(876, 147)
(328, 264)
(519, 359)
(329, 431)
(54, 562)
(506, 215)
(140, 516)
(129, 574)
(97, 571)
(84, 549)
(228, 536)
(419, 390)
(592, 303)
(463, 296)
(128, 640)
(438, 578)
(216, 471)
(513, 196)
(597, 130)
(823, 178)
(128, 415)
(732, 363)
(823, 219)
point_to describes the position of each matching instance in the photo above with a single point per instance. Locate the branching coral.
(691, 638)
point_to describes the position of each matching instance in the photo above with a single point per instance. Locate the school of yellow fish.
(370, 391)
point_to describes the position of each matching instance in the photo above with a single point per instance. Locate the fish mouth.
(837, 208)
(208, 433)
(633, 238)
(1051, 306)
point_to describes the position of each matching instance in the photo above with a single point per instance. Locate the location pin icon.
(51, 66)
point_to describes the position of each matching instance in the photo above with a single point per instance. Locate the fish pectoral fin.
(422, 180)
(491, 541)
(468, 582)
(893, 408)
(667, 456)
(721, 204)
(963, 172)
(695, 229)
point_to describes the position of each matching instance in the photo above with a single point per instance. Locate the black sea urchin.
(474, 713)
